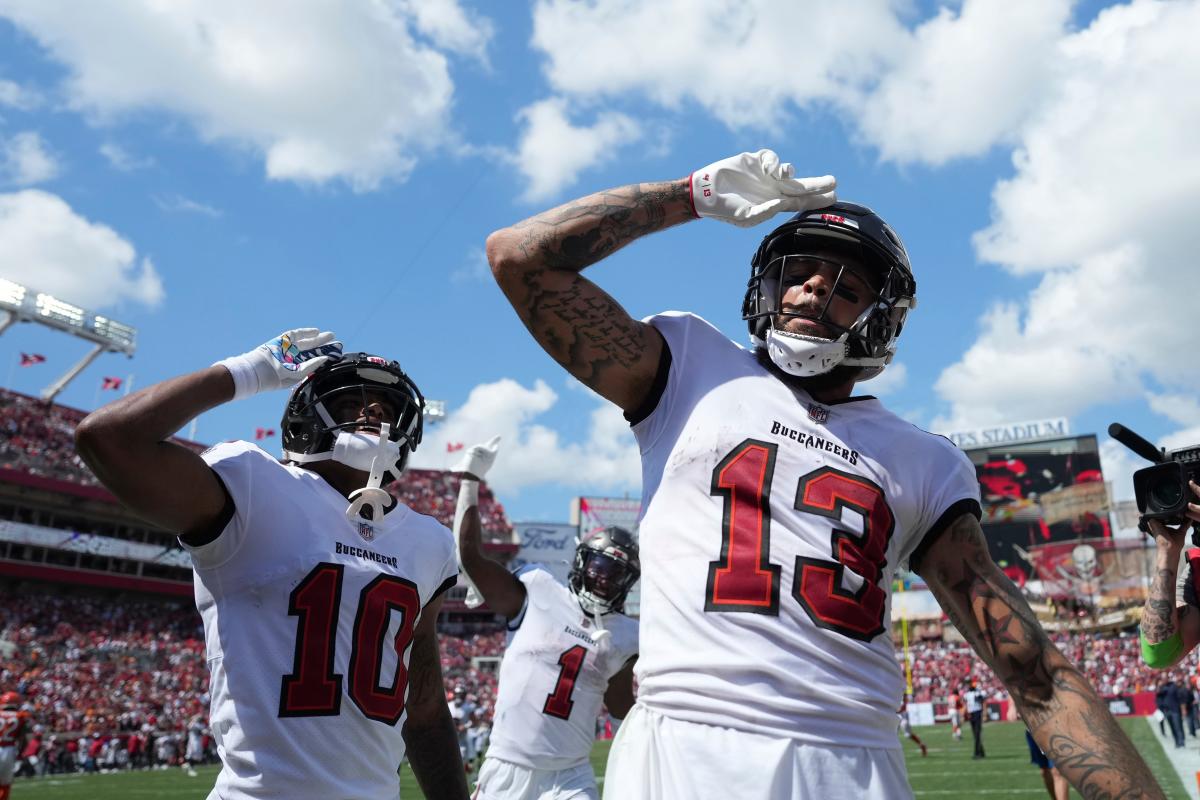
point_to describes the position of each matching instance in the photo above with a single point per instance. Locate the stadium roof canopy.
(24, 304)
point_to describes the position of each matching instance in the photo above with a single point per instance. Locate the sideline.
(1185, 760)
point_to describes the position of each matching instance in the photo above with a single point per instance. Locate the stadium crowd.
(39, 440)
(110, 684)
(1112, 664)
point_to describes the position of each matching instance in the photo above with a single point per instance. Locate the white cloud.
(17, 96)
(965, 80)
(742, 61)
(474, 268)
(45, 245)
(1101, 207)
(122, 159)
(532, 453)
(1180, 409)
(553, 151)
(323, 91)
(177, 203)
(24, 160)
(450, 27)
(889, 381)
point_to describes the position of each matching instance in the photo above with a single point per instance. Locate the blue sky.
(216, 172)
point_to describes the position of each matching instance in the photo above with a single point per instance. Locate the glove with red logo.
(746, 189)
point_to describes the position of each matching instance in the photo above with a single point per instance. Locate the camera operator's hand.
(1168, 537)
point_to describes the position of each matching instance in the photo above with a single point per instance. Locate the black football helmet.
(308, 427)
(606, 567)
(841, 229)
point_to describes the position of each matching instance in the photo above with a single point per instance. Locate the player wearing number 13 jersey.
(318, 593)
(777, 504)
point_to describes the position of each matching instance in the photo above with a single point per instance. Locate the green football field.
(947, 772)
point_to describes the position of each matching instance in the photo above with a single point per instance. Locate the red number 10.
(313, 689)
(744, 579)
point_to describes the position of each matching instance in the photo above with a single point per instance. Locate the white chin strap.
(367, 452)
(804, 356)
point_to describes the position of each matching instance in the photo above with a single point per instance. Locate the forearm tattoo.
(1158, 615)
(580, 325)
(1062, 711)
(582, 232)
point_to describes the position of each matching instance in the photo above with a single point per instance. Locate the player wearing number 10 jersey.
(777, 505)
(318, 593)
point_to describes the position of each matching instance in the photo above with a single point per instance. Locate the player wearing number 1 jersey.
(318, 591)
(569, 649)
(777, 504)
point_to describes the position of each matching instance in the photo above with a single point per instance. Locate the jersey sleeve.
(534, 577)
(951, 489)
(687, 337)
(448, 573)
(1185, 586)
(240, 467)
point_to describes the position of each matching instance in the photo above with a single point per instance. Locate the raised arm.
(1069, 722)
(1169, 631)
(127, 445)
(486, 579)
(429, 732)
(127, 442)
(537, 262)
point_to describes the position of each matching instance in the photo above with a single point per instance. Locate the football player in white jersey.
(318, 593)
(777, 504)
(569, 650)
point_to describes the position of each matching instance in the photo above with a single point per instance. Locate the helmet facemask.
(606, 567)
(312, 430)
(858, 242)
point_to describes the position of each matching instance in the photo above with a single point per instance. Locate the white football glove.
(746, 189)
(479, 458)
(280, 363)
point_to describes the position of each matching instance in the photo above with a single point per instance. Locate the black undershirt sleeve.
(650, 402)
(209, 534)
(956, 510)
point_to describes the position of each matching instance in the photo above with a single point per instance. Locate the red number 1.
(559, 702)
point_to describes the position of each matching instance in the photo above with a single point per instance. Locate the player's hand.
(746, 189)
(478, 459)
(282, 362)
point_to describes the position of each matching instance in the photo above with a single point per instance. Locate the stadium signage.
(1055, 428)
(550, 544)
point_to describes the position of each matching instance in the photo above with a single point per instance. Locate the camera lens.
(1165, 494)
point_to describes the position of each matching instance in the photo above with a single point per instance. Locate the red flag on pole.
(29, 359)
(110, 383)
(453, 447)
(263, 433)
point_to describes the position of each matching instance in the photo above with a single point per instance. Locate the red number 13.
(744, 579)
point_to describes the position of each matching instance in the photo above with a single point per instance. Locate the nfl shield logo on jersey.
(818, 414)
(366, 531)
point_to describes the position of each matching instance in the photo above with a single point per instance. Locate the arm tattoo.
(1062, 711)
(581, 233)
(1158, 615)
(580, 325)
(430, 736)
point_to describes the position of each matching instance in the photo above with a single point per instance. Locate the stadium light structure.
(23, 304)
(435, 411)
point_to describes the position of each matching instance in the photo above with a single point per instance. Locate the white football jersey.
(308, 620)
(772, 526)
(554, 675)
